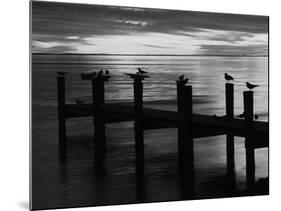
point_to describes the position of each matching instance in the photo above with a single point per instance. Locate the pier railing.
(189, 125)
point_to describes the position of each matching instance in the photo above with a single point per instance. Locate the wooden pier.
(190, 126)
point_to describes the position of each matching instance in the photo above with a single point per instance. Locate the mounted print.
(134, 105)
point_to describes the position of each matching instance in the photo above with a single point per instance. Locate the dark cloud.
(82, 20)
(56, 38)
(252, 50)
(156, 46)
(231, 38)
(68, 24)
(54, 49)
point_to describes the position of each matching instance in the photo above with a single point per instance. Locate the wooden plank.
(248, 97)
(229, 106)
(61, 116)
(156, 119)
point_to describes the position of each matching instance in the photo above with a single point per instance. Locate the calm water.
(77, 183)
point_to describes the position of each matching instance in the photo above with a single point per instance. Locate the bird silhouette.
(106, 72)
(181, 77)
(228, 77)
(100, 73)
(62, 73)
(142, 71)
(251, 86)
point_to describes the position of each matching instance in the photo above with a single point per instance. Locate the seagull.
(107, 72)
(228, 77)
(79, 101)
(181, 77)
(251, 86)
(141, 71)
(256, 116)
(100, 73)
(62, 73)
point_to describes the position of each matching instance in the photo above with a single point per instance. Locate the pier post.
(229, 101)
(250, 150)
(188, 154)
(180, 106)
(61, 114)
(138, 126)
(99, 122)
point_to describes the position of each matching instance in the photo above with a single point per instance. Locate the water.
(76, 183)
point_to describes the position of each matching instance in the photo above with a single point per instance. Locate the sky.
(83, 28)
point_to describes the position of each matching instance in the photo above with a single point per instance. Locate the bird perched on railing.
(62, 73)
(251, 86)
(228, 77)
(106, 72)
(100, 73)
(141, 71)
(182, 79)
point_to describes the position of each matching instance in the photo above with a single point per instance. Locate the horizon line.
(115, 54)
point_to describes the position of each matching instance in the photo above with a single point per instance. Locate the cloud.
(84, 28)
(72, 37)
(156, 46)
(54, 49)
(80, 19)
(234, 50)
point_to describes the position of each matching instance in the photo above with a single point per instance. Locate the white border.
(14, 92)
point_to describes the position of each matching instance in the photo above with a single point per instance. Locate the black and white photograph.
(138, 105)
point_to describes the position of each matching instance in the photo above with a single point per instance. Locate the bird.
(228, 77)
(181, 77)
(142, 71)
(62, 73)
(251, 86)
(79, 101)
(100, 73)
(106, 72)
(256, 116)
